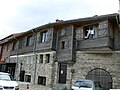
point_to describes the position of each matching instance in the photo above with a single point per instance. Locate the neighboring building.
(64, 51)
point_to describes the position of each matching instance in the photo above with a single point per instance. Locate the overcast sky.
(22, 15)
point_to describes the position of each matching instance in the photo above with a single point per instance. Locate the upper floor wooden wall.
(65, 38)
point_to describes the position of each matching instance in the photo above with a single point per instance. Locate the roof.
(79, 20)
(12, 36)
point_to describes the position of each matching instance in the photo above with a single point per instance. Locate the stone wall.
(28, 86)
(85, 62)
(45, 69)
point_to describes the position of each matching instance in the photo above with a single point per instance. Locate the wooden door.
(62, 73)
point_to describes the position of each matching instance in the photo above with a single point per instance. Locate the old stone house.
(62, 52)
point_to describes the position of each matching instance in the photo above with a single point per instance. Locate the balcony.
(103, 43)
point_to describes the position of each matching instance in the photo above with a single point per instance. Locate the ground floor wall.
(46, 73)
(36, 68)
(87, 62)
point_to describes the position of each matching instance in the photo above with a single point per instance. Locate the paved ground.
(28, 86)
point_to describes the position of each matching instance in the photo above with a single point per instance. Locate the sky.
(22, 15)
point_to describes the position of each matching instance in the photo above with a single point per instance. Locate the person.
(90, 33)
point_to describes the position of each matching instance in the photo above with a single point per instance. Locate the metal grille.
(101, 76)
(8, 88)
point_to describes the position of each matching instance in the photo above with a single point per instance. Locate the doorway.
(62, 73)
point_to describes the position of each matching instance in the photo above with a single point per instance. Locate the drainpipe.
(118, 17)
(34, 51)
(17, 52)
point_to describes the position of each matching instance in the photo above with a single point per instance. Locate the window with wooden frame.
(41, 80)
(29, 41)
(47, 58)
(41, 58)
(43, 36)
(27, 78)
(14, 46)
(89, 32)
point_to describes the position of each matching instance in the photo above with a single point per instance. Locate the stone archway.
(102, 76)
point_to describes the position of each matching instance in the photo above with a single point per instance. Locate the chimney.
(57, 20)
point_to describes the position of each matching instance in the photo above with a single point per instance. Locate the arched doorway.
(101, 76)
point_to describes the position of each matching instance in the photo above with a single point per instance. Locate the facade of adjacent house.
(65, 51)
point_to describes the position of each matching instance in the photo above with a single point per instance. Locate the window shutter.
(79, 33)
(102, 29)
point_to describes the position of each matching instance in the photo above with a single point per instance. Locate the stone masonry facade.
(32, 68)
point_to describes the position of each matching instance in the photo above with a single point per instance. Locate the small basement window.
(41, 80)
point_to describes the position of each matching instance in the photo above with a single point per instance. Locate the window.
(41, 58)
(41, 80)
(27, 78)
(14, 46)
(63, 45)
(43, 36)
(47, 58)
(89, 32)
(29, 41)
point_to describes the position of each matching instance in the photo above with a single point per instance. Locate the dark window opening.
(63, 45)
(47, 58)
(14, 46)
(29, 41)
(41, 80)
(22, 75)
(41, 58)
(43, 36)
(27, 78)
